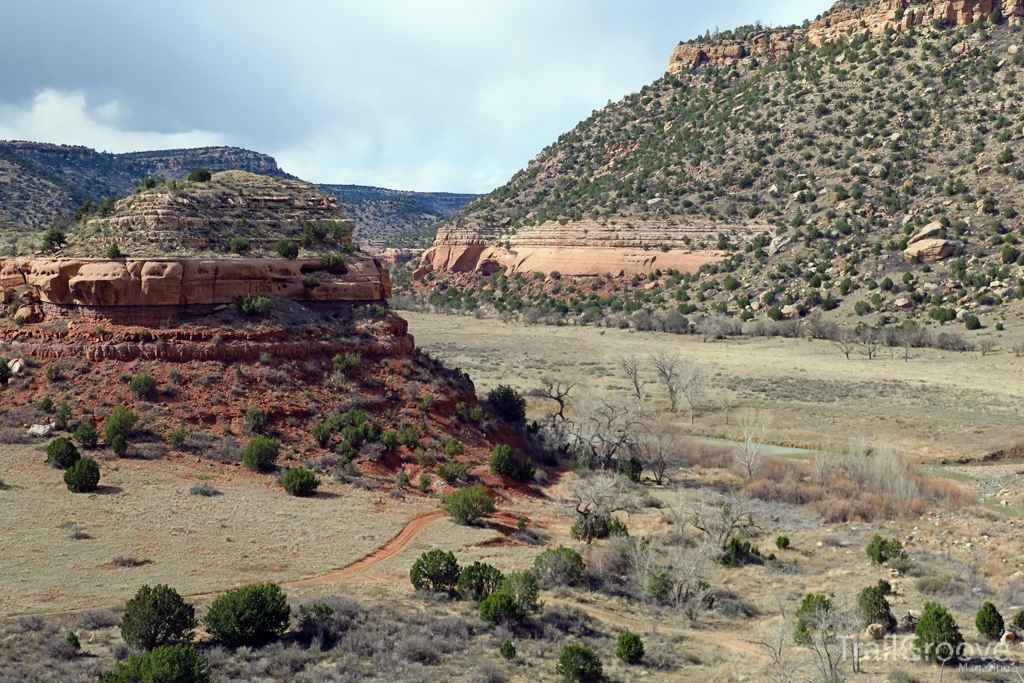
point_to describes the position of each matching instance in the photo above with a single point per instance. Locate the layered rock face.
(582, 248)
(182, 287)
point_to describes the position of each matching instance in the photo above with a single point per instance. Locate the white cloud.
(65, 118)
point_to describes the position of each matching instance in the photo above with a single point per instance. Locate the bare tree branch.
(630, 366)
(557, 390)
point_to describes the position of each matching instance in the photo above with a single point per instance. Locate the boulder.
(875, 632)
(930, 230)
(902, 303)
(1008, 637)
(877, 172)
(929, 250)
(27, 313)
(790, 312)
(39, 430)
(15, 365)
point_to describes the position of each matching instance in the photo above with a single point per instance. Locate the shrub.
(286, 249)
(251, 305)
(200, 175)
(507, 650)
(500, 608)
(5, 372)
(155, 617)
(509, 404)
(424, 485)
(436, 571)
(113, 252)
(504, 464)
(469, 505)
(410, 437)
(578, 664)
(54, 373)
(82, 477)
(874, 608)
(53, 239)
(142, 385)
(558, 567)
(782, 542)
(389, 440)
(252, 615)
(811, 604)
(1018, 620)
(178, 436)
(73, 641)
(478, 581)
(453, 448)
(346, 363)
(62, 416)
(629, 647)
(738, 552)
(937, 637)
(120, 422)
(989, 622)
(240, 245)
(119, 445)
(62, 453)
(173, 664)
(524, 589)
(882, 550)
(261, 454)
(255, 419)
(972, 323)
(300, 482)
(205, 490)
(453, 471)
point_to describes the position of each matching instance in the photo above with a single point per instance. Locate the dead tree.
(754, 427)
(721, 520)
(630, 366)
(693, 384)
(846, 341)
(557, 390)
(668, 369)
(591, 501)
(604, 431)
(659, 454)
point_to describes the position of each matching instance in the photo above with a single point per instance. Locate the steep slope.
(395, 217)
(792, 157)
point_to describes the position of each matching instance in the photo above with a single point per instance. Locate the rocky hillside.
(807, 167)
(396, 218)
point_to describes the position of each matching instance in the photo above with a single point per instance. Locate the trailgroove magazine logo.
(901, 649)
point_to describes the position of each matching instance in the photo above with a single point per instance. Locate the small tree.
(155, 617)
(508, 403)
(86, 435)
(113, 252)
(173, 664)
(578, 664)
(120, 422)
(5, 372)
(240, 245)
(286, 249)
(142, 385)
(255, 419)
(200, 175)
(252, 615)
(261, 454)
(469, 505)
(629, 647)
(251, 305)
(524, 589)
(478, 581)
(989, 622)
(937, 637)
(53, 240)
(507, 650)
(82, 477)
(504, 464)
(435, 571)
(882, 550)
(558, 567)
(300, 482)
(874, 608)
(61, 453)
(119, 445)
(500, 608)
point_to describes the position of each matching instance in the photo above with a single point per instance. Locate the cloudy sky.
(452, 95)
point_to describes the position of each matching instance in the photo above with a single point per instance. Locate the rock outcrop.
(182, 287)
(929, 250)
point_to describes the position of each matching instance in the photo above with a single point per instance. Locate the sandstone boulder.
(39, 430)
(1008, 637)
(929, 250)
(930, 230)
(26, 313)
(875, 632)
(902, 303)
(790, 312)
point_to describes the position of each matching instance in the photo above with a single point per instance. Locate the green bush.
(54, 373)
(45, 405)
(389, 439)
(120, 422)
(972, 323)
(240, 245)
(173, 664)
(348, 362)
(119, 445)
(453, 471)
(113, 252)
(5, 372)
(453, 448)
(251, 305)
(782, 542)
(62, 416)
(1018, 620)
(142, 385)
(479, 581)
(200, 175)
(874, 608)
(811, 604)
(882, 550)
(300, 482)
(82, 477)
(260, 454)
(61, 453)
(738, 552)
(86, 435)
(155, 617)
(504, 464)
(524, 589)
(558, 567)
(937, 637)
(500, 608)
(53, 239)
(507, 650)
(424, 485)
(436, 571)
(252, 615)
(990, 622)
(410, 437)
(178, 436)
(629, 647)
(578, 664)
(508, 403)
(73, 641)
(286, 249)
(255, 419)
(469, 505)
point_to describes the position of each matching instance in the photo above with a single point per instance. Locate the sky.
(438, 95)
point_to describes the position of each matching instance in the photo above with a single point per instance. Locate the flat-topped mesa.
(201, 218)
(146, 291)
(841, 21)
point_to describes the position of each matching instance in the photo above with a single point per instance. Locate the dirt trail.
(396, 545)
